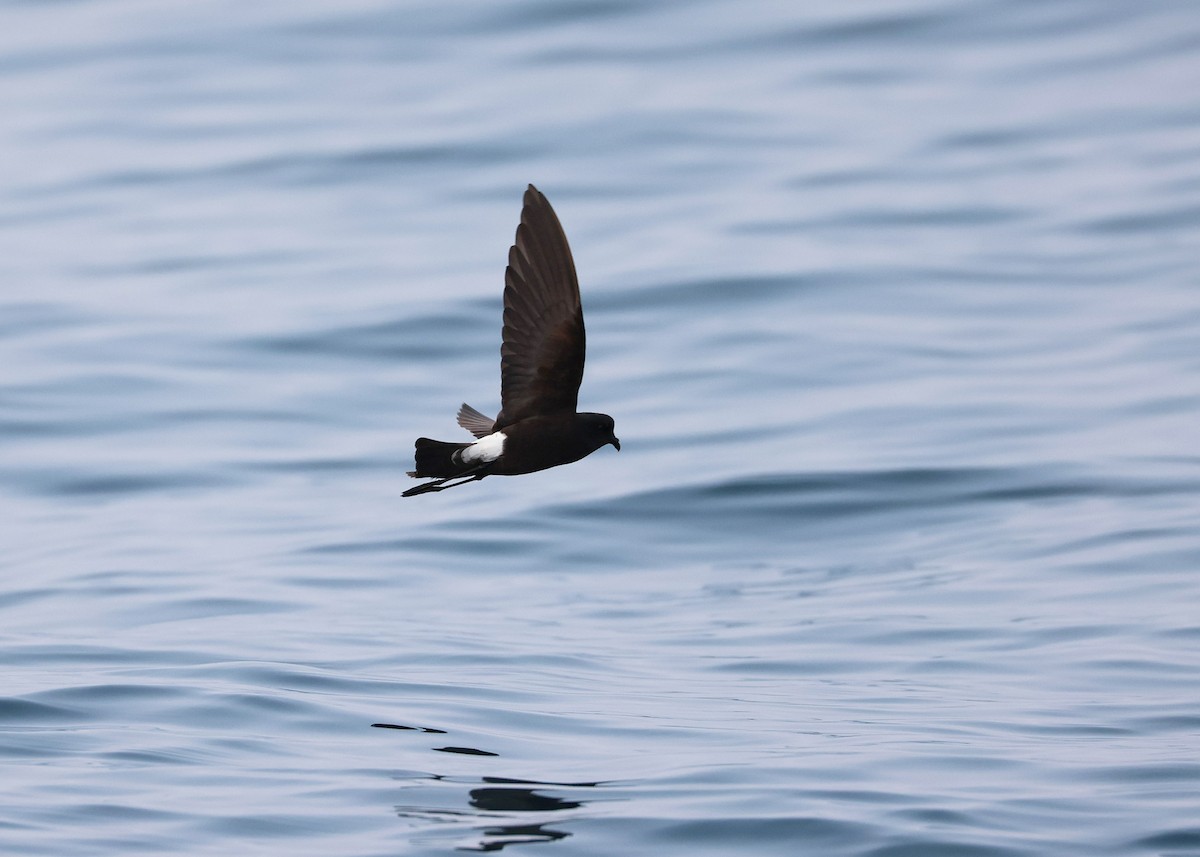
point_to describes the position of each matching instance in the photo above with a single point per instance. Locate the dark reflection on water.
(497, 838)
(518, 800)
(465, 751)
(412, 728)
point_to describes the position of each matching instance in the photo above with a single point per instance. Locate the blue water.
(896, 305)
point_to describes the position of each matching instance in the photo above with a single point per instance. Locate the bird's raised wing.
(541, 359)
(476, 423)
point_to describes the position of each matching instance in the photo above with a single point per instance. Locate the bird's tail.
(435, 458)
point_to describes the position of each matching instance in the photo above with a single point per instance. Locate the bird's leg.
(441, 485)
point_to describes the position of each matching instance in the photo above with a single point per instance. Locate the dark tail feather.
(434, 459)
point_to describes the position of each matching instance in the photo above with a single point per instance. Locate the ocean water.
(896, 305)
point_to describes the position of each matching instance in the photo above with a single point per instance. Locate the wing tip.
(534, 198)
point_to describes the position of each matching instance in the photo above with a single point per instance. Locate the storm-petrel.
(541, 367)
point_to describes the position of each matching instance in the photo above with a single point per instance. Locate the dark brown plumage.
(541, 368)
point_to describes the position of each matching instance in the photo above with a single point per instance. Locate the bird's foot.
(441, 485)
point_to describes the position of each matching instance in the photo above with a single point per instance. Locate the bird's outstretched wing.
(476, 423)
(541, 360)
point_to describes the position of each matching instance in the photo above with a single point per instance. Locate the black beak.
(616, 442)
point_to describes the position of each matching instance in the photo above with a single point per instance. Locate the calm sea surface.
(896, 304)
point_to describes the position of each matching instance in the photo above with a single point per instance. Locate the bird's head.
(600, 428)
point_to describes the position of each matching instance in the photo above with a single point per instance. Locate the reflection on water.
(493, 802)
(496, 838)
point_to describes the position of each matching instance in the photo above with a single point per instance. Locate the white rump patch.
(487, 449)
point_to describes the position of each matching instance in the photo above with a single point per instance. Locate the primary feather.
(541, 359)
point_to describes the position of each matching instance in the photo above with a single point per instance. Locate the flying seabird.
(541, 367)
